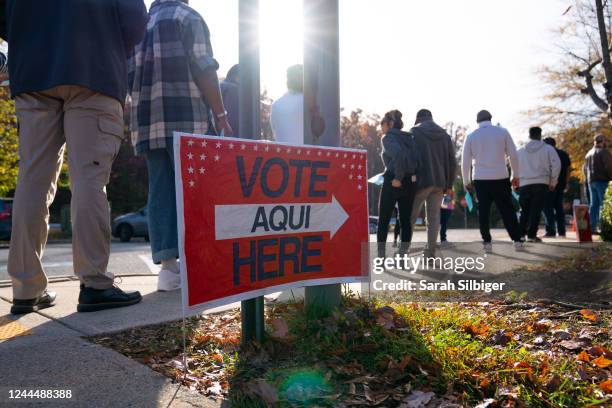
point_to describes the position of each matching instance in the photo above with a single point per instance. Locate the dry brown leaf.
(606, 386)
(590, 315)
(264, 390)
(583, 356)
(602, 362)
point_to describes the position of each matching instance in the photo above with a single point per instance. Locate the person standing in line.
(68, 75)
(436, 173)
(230, 92)
(174, 85)
(401, 162)
(554, 212)
(485, 171)
(287, 115)
(540, 168)
(598, 174)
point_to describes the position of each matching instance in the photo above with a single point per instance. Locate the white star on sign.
(359, 177)
(307, 152)
(359, 167)
(231, 146)
(190, 170)
(202, 157)
(267, 148)
(190, 143)
(191, 183)
(359, 187)
(202, 170)
(337, 154)
(343, 166)
(255, 148)
(352, 166)
(217, 157)
(243, 146)
(319, 153)
(299, 151)
(350, 176)
(190, 156)
(289, 150)
(204, 144)
(278, 149)
(345, 155)
(354, 156)
(218, 145)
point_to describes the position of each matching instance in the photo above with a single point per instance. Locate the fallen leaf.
(477, 329)
(606, 386)
(572, 344)
(488, 403)
(281, 328)
(602, 362)
(553, 384)
(501, 337)
(597, 351)
(590, 315)
(562, 335)
(417, 399)
(583, 356)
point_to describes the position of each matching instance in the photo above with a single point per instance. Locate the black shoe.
(535, 239)
(550, 235)
(23, 306)
(92, 300)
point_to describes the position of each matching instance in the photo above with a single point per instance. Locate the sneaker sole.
(19, 309)
(84, 308)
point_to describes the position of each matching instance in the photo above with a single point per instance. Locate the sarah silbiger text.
(425, 285)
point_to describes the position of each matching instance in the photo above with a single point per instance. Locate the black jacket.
(71, 42)
(437, 156)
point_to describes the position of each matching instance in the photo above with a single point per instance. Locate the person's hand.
(552, 187)
(223, 127)
(4, 77)
(515, 183)
(468, 187)
(396, 183)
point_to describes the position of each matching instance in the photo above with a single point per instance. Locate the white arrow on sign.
(245, 220)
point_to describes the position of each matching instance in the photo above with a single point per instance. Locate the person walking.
(230, 92)
(287, 112)
(554, 213)
(68, 75)
(436, 173)
(540, 167)
(446, 210)
(485, 154)
(401, 162)
(174, 86)
(597, 173)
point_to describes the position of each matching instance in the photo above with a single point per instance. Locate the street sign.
(257, 217)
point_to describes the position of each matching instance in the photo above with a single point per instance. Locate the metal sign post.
(322, 107)
(252, 310)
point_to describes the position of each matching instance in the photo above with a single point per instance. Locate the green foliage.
(9, 157)
(606, 217)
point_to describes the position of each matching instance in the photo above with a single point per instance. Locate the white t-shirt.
(287, 118)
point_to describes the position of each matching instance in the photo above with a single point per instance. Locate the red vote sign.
(256, 217)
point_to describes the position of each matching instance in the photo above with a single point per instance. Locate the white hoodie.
(539, 163)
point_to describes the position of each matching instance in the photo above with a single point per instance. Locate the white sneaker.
(446, 245)
(168, 281)
(488, 247)
(519, 246)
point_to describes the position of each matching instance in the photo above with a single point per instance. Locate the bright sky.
(453, 57)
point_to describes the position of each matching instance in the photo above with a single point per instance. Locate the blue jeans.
(597, 190)
(162, 204)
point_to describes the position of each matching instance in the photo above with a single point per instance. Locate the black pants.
(500, 193)
(531, 199)
(389, 196)
(445, 214)
(554, 213)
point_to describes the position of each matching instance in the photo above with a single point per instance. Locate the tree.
(575, 84)
(9, 156)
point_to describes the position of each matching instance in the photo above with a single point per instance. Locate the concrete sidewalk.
(54, 353)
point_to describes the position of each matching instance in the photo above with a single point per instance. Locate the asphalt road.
(126, 258)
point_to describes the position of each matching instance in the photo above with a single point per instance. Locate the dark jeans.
(389, 196)
(500, 193)
(597, 190)
(445, 214)
(531, 199)
(554, 213)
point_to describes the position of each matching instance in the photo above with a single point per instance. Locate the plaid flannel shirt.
(165, 97)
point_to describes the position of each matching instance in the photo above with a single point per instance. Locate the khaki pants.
(91, 126)
(432, 198)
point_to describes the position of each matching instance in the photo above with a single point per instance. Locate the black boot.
(22, 306)
(92, 300)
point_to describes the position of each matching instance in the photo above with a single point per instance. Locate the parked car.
(128, 226)
(6, 217)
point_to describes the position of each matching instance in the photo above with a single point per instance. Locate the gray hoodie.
(539, 163)
(437, 156)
